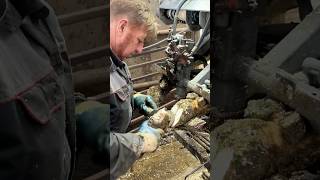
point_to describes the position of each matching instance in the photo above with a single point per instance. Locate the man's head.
(131, 23)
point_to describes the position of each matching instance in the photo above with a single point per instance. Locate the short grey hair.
(138, 12)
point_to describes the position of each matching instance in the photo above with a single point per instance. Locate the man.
(131, 22)
(36, 100)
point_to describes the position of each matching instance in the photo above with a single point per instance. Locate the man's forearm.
(125, 149)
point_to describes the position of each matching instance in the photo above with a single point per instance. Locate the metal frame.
(83, 15)
(195, 84)
(146, 76)
(273, 75)
(146, 63)
(191, 5)
(300, 43)
(88, 55)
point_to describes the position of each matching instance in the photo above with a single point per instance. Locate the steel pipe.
(83, 15)
(93, 76)
(145, 76)
(89, 77)
(149, 51)
(139, 119)
(145, 85)
(155, 44)
(99, 52)
(166, 31)
(88, 55)
(135, 86)
(146, 63)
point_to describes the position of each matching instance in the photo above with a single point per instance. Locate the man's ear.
(122, 25)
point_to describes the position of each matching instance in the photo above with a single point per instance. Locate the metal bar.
(195, 83)
(145, 84)
(203, 144)
(83, 15)
(136, 121)
(99, 175)
(89, 77)
(168, 104)
(144, 91)
(135, 86)
(148, 52)
(201, 137)
(192, 145)
(88, 55)
(195, 87)
(204, 135)
(166, 31)
(282, 86)
(145, 76)
(99, 52)
(146, 63)
(156, 44)
(139, 119)
(297, 45)
(161, 41)
(196, 169)
(204, 140)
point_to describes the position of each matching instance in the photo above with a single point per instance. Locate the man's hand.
(161, 119)
(151, 137)
(144, 103)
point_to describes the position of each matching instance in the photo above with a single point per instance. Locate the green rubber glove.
(145, 104)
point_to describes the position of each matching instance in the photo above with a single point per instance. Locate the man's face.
(129, 40)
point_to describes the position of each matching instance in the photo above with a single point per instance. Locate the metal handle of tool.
(196, 169)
